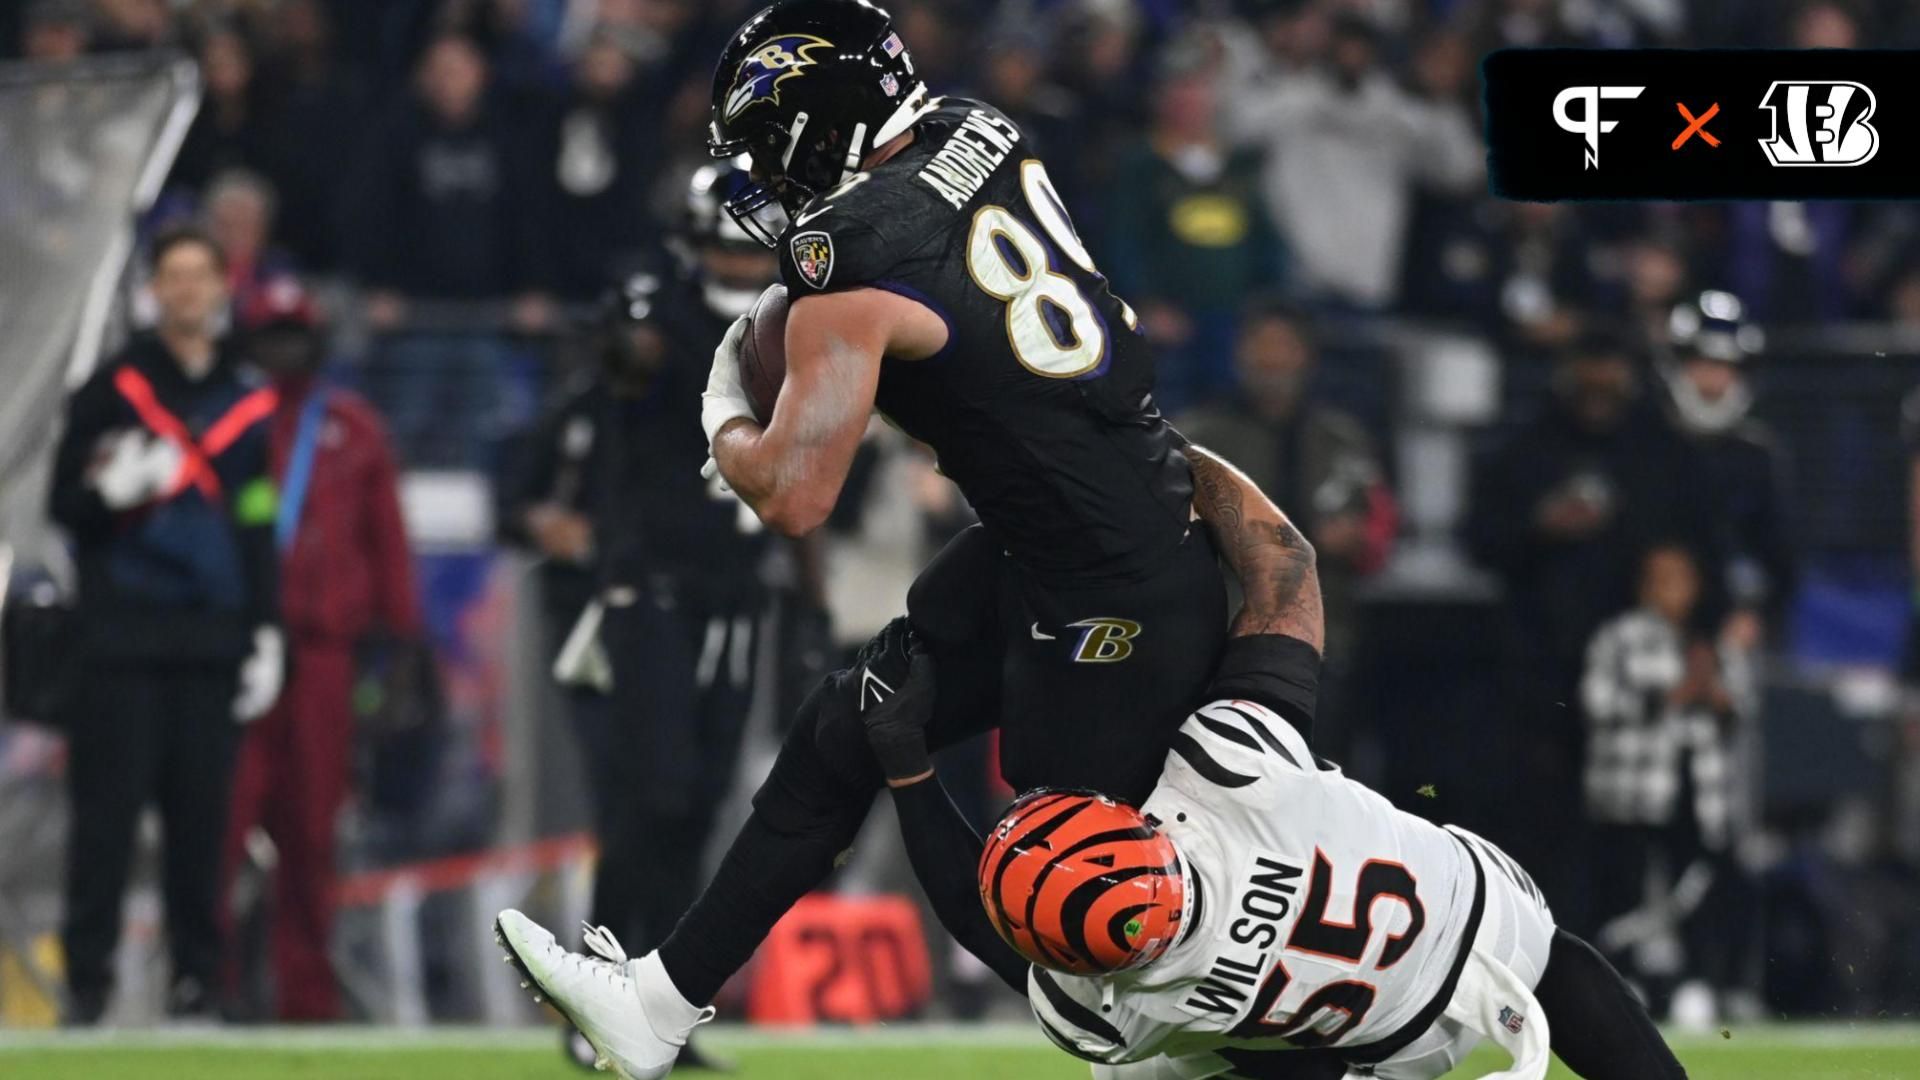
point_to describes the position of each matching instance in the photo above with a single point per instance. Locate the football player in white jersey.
(1260, 915)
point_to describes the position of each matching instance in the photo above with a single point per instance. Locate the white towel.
(1493, 1001)
(583, 660)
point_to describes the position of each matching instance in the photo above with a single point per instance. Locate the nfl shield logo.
(890, 85)
(1511, 1020)
(813, 257)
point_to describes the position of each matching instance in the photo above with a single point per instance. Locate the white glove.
(582, 660)
(139, 468)
(725, 400)
(710, 472)
(261, 675)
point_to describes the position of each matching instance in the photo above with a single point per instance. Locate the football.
(763, 356)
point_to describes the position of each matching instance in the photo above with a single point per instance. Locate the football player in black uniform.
(935, 276)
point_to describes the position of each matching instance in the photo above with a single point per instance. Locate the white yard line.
(361, 1038)
(1861, 1036)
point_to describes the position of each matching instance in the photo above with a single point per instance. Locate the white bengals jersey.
(1323, 916)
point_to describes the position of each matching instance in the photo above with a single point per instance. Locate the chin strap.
(793, 139)
(856, 149)
(916, 105)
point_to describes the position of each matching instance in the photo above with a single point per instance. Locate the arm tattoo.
(1270, 556)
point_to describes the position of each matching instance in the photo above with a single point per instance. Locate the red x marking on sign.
(1697, 125)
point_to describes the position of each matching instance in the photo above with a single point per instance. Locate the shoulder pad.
(1067, 1009)
(832, 247)
(1233, 744)
(860, 231)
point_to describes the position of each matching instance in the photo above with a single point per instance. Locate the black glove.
(896, 708)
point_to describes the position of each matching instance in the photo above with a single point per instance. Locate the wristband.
(1274, 670)
(902, 758)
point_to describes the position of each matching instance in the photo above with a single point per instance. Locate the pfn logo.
(1589, 125)
(1825, 124)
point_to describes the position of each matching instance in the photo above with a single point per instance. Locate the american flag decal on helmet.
(893, 46)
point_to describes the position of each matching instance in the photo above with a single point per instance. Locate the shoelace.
(607, 959)
(603, 943)
(610, 959)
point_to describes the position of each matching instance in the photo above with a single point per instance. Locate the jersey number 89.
(1051, 325)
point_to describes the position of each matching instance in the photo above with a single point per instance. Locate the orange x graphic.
(1697, 125)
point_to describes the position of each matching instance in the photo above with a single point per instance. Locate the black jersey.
(1040, 406)
(636, 460)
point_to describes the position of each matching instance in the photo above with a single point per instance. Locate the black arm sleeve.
(1599, 1028)
(260, 558)
(514, 487)
(944, 851)
(530, 466)
(70, 500)
(259, 549)
(1280, 672)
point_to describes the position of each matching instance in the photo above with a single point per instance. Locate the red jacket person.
(346, 574)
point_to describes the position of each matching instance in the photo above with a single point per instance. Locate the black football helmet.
(631, 329)
(807, 89)
(1713, 327)
(731, 266)
(706, 223)
(635, 299)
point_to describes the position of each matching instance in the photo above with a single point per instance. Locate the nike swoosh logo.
(1040, 635)
(874, 685)
(804, 218)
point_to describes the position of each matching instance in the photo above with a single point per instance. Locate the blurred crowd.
(469, 181)
(525, 151)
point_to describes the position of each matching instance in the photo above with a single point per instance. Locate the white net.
(83, 148)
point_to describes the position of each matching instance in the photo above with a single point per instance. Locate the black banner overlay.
(1703, 124)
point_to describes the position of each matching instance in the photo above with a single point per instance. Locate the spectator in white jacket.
(1346, 147)
(1663, 707)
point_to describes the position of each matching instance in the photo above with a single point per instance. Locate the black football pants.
(661, 751)
(1085, 684)
(148, 732)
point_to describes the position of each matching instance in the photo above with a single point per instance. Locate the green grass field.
(899, 1053)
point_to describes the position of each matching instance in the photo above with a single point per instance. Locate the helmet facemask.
(733, 265)
(764, 205)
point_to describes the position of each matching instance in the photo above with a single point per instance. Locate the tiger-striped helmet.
(1081, 884)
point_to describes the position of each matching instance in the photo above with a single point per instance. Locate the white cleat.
(628, 1009)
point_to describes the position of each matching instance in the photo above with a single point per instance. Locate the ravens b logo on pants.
(1105, 641)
